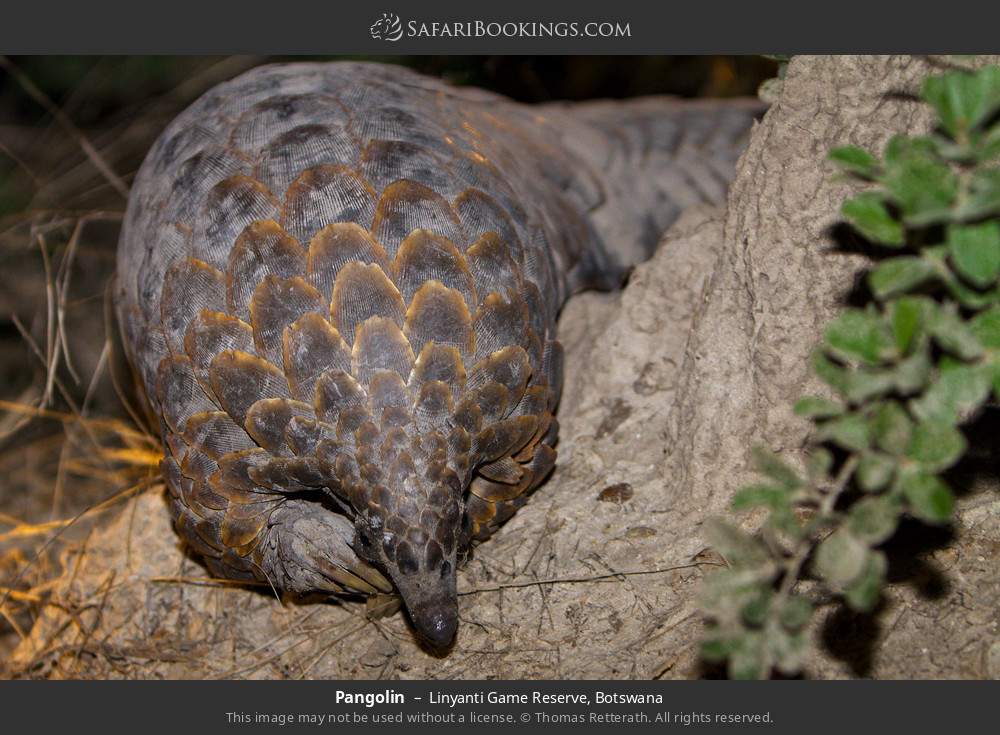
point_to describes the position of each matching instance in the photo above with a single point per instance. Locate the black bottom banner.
(315, 706)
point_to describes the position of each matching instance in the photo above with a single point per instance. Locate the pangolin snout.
(422, 568)
(431, 601)
(437, 622)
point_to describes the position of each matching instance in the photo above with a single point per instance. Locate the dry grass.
(74, 441)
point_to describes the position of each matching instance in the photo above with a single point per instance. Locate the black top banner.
(511, 27)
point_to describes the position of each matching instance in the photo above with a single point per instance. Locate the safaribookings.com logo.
(390, 28)
(387, 28)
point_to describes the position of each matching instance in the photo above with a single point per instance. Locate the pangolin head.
(412, 531)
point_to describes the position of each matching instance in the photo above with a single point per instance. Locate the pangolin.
(338, 285)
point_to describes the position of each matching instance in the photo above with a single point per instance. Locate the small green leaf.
(840, 558)
(726, 591)
(874, 471)
(929, 498)
(818, 464)
(715, 647)
(812, 407)
(829, 372)
(892, 427)
(796, 613)
(966, 295)
(963, 100)
(936, 445)
(737, 547)
(921, 184)
(855, 160)
(874, 519)
(753, 496)
(985, 327)
(869, 215)
(770, 464)
(952, 334)
(755, 611)
(983, 198)
(956, 393)
(855, 385)
(746, 659)
(861, 335)
(908, 315)
(899, 275)
(863, 593)
(788, 650)
(975, 252)
(863, 385)
(912, 374)
(851, 432)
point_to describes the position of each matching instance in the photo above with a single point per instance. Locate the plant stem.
(806, 545)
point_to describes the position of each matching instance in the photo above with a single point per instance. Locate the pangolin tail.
(642, 162)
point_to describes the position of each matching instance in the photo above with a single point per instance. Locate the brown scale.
(338, 284)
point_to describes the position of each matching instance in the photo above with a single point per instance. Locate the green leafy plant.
(770, 89)
(904, 371)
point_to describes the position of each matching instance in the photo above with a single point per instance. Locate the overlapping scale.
(179, 393)
(406, 206)
(439, 315)
(277, 115)
(263, 249)
(386, 161)
(210, 333)
(267, 421)
(287, 154)
(325, 194)
(240, 379)
(335, 246)
(380, 345)
(278, 303)
(424, 256)
(361, 292)
(230, 206)
(190, 286)
(311, 346)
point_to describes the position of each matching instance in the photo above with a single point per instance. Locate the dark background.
(111, 94)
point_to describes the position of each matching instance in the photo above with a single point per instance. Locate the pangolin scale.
(338, 284)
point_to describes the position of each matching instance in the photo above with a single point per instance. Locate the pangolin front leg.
(338, 284)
